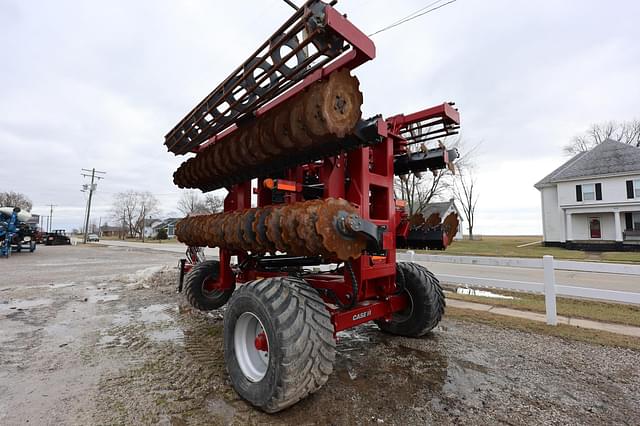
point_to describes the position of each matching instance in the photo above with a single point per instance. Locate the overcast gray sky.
(98, 84)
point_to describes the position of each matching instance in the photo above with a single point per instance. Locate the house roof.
(166, 222)
(608, 157)
(440, 208)
(150, 222)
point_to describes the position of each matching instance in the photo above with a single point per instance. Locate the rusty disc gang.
(320, 115)
(309, 228)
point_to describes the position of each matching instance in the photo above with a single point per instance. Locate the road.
(171, 247)
(71, 264)
(602, 281)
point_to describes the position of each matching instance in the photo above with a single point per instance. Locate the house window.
(633, 188)
(632, 221)
(589, 192)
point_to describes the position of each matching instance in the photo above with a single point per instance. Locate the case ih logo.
(361, 315)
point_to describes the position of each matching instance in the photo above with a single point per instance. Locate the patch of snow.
(481, 293)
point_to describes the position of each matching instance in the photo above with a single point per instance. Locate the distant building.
(112, 231)
(592, 201)
(168, 224)
(436, 213)
(150, 227)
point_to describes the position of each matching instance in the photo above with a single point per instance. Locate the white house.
(168, 224)
(150, 226)
(592, 201)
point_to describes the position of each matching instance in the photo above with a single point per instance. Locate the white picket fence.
(549, 287)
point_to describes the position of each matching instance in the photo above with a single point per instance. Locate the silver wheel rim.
(252, 362)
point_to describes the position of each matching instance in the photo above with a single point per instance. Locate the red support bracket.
(368, 311)
(428, 124)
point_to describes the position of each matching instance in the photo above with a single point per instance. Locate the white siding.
(614, 190)
(552, 216)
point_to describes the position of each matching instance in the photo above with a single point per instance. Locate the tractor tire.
(194, 287)
(296, 330)
(427, 302)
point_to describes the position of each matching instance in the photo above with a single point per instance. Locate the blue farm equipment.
(15, 233)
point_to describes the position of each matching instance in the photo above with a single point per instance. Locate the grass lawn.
(575, 308)
(507, 246)
(564, 331)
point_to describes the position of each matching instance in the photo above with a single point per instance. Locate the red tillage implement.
(314, 252)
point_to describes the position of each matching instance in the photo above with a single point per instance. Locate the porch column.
(569, 227)
(616, 218)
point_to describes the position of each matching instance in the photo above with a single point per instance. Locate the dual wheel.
(278, 336)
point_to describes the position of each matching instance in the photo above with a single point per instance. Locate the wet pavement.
(93, 345)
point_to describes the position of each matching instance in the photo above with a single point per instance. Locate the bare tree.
(465, 192)
(419, 190)
(148, 208)
(15, 199)
(626, 132)
(213, 204)
(191, 202)
(129, 208)
(124, 210)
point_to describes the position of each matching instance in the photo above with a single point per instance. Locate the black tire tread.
(299, 315)
(193, 286)
(429, 302)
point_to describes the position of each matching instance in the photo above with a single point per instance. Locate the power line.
(416, 14)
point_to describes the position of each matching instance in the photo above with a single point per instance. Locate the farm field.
(508, 246)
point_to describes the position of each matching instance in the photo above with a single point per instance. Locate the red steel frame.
(370, 188)
(370, 170)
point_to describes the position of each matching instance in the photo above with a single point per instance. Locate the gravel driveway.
(93, 339)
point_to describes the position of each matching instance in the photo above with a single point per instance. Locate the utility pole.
(51, 206)
(91, 188)
(143, 222)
